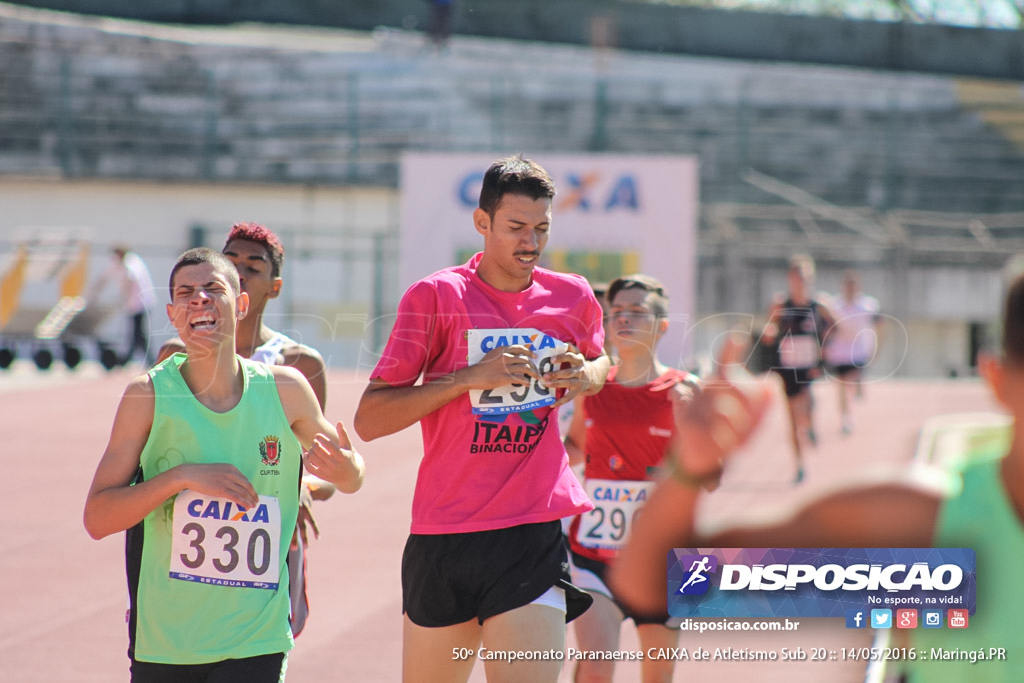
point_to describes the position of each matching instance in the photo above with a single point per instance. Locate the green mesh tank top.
(224, 603)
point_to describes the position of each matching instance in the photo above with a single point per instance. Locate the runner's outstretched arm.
(329, 453)
(721, 419)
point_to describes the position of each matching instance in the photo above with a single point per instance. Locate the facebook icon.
(855, 618)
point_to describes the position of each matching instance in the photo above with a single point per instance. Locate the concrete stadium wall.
(336, 244)
(635, 26)
(340, 286)
(84, 99)
(929, 338)
(117, 119)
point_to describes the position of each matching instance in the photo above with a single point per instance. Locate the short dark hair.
(514, 175)
(1013, 322)
(200, 255)
(254, 232)
(659, 298)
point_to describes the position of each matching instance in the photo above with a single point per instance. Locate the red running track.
(62, 611)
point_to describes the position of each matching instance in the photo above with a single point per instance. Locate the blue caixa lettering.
(212, 509)
(530, 341)
(618, 494)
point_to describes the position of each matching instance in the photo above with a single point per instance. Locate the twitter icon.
(881, 618)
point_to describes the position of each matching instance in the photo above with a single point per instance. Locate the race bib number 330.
(514, 398)
(217, 542)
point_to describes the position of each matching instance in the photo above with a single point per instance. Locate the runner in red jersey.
(625, 432)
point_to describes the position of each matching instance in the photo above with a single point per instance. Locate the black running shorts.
(448, 579)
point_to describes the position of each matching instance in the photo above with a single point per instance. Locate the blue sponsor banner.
(817, 582)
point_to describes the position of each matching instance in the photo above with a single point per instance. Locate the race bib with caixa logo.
(616, 506)
(218, 542)
(514, 398)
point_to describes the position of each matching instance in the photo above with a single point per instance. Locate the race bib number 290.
(217, 542)
(514, 398)
(616, 505)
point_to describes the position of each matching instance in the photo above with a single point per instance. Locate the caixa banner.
(817, 582)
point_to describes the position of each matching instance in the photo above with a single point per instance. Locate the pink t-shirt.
(482, 472)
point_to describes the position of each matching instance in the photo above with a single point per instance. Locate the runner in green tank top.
(259, 256)
(202, 469)
(979, 507)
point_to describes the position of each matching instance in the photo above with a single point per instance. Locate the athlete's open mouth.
(203, 321)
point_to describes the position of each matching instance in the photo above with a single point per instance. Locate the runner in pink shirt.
(500, 344)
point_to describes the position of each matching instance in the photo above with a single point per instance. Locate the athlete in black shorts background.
(797, 324)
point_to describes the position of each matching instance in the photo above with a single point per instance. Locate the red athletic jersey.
(628, 434)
